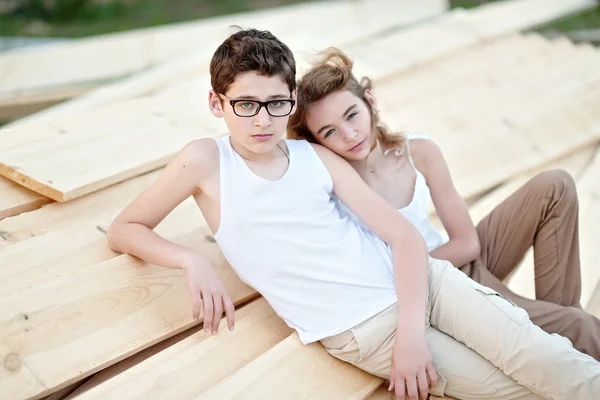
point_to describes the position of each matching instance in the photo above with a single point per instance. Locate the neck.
(371, 163)
(259, 158)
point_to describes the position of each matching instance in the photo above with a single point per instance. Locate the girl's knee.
(558, 183)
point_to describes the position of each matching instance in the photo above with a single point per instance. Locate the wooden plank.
(593, 306)
(257, 330)
(505, 120)
(16, 199)
(181, 40)
(155, 139)
(63, 130)
(589, 232)
(292, 370)
(455, 30)
(152, 129)
(101, 206)
(121, 53)
(430, 34)
(105, 312)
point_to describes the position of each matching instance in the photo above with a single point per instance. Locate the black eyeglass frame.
(261, 104)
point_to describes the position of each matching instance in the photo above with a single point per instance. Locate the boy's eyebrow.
(272, 97)
(343, 115)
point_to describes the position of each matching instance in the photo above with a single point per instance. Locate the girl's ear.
(371, 99)
(215, 104)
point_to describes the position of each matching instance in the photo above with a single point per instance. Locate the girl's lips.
(358, 146)
(262, 138)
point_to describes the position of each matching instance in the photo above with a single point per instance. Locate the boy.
(269, 205)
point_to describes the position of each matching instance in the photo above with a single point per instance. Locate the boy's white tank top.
(319, 269)
(417, 211)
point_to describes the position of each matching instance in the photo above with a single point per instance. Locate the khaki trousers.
(543, 213)
(483, 346)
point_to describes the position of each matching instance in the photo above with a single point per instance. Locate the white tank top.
(319, 270)
(417, 211)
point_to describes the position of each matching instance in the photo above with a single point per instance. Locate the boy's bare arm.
(410, 260)
(132, 231)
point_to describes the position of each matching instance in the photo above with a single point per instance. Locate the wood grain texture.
(206, 359)
(80, 317)
(291, 370)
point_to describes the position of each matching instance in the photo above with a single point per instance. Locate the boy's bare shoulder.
(200, 154)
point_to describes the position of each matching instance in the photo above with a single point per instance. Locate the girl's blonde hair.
(333, 72)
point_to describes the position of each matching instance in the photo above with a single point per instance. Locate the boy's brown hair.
(251, 50)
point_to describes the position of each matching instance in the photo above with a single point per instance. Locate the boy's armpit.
(186, 175)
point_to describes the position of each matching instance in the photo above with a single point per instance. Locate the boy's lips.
(358, 146)
(262, 137)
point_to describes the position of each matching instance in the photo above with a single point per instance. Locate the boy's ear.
(215, 104)
(295, 98)
(371, 99)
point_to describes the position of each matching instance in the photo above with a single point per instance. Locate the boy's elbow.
(112, 237)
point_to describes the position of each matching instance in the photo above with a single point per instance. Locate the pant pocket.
(510, 309)
(439, 389)
(343, 347)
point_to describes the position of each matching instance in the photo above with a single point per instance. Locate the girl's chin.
(355, 156)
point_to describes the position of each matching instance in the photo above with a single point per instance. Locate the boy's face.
(257, 133)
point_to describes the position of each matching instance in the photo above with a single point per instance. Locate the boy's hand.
(208, 293)
(411, 363)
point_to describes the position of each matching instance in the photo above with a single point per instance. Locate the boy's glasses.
(249, 108)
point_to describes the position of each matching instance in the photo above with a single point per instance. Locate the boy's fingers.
(433, 376)
(208, 311)
(217, 314)
(411, 388)
(196, 304)
(400, 387)
(423, 386)
(229, 312)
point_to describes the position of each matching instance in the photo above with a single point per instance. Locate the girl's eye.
(329, 132)
(276, 104)
(352, 115)
(247, 105)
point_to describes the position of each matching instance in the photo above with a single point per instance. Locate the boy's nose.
(262, 119)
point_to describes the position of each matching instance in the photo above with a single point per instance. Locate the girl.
(339, 112)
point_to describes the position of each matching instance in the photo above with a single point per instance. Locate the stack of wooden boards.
(79, 320)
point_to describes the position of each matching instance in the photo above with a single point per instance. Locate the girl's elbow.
(474, 247)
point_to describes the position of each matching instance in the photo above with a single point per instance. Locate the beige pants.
(482, 346)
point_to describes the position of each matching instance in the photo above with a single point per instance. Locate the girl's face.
(341, 122)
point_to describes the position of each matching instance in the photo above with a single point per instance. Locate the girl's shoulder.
(423, 151)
